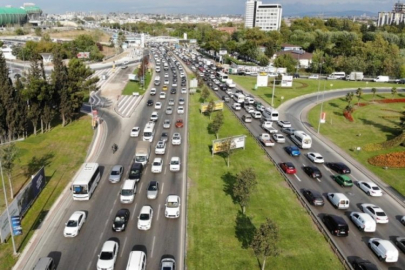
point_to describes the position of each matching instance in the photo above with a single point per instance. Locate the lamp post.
(8, 212)
(319, 83)
(323, 99)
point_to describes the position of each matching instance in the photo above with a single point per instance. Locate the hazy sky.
(209, 7)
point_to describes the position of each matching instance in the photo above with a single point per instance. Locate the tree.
(210, 108)
(38, 31)
(228, 145)
(394, 91)
(374, 91)
(359, 92)
(265, 241)
(217, 123)
(8, 157)
(120, 41)
(349, 98)
(205, 93)
(243, 187)
(287, 61)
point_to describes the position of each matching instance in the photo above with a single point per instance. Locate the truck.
(230, 83)
(355, 76)
(142, 152)
(265, 139)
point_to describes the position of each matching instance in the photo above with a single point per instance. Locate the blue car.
(293, 151)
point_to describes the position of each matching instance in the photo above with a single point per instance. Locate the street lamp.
(274, 88)
(323, 99)
(319, 82)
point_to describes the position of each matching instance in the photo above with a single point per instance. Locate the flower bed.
(348, 116)
(392, 160)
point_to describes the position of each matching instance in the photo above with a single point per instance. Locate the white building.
(396, 16)
(265, 16)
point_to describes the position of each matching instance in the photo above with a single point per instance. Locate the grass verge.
(62, 151)
(218, 234)
(368, 127)
(132, 86)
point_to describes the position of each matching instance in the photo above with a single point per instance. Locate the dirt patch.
(103, 37)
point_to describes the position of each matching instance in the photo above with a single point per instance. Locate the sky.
(206, 7)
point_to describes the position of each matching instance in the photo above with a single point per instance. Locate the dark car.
(120, 220)
(149, 103)
(313, 197)
(339, 167)
(400, 243)
(400, 81)
(183, 83)
(174, 80)
(336, 225)
(360, 264)
(292, 150)
(173, 91)
(164, 137)
(312, 171)
(135, 172)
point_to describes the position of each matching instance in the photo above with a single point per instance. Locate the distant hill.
(343, 13)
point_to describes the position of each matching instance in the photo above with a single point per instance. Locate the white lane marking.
(153, 246)
(123, 247)
(157, 218)
(319, 180)
(105, 224)
(297, 177)
(133, 213)
(112, 209)
(140, 188)
(354, 177)
(165, 170)
(161, 190)
(326, 168)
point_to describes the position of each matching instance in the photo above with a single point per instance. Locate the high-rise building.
(265, 16)
(396, 16)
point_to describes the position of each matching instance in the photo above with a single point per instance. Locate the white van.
(136, 260)
(339, 200)
(384, 249)
(128, 191)
(382, 79)
(363, 221)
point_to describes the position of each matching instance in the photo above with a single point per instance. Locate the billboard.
(219, 106)
(236, 142)
(286, 81)
(262, 79)
(16, 225)
(83, 55)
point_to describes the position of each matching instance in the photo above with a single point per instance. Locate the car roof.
(172, 198)
(145, 209)
(116, 167)
(157, 159)
(153, 183)
(76, 215)
(122, 212)
(108, 245)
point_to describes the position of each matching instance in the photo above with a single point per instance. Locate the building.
(267, 17)
(396, 16)
(22, 15)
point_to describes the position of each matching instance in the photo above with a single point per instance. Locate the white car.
(74, 224)
(162, 95)
(176, 139)
(108, 255)
(183, 90)
(157, 165)
(175, 164)
(279, 138)
(315, 157)
(267, 124)
(166, 75)
(154, 117)
(236, 106)
(284, 124)
(153, 91)
(181, 101)
(375, 212)
(166, 123)
(145, 218)
(135, 132)
(160, 148)
(180, 110)
(171, 102)
(158, 105)
(169, 110)
(172, 206)
(166, 82)
(314, 77)
(249, 109)
(370, 188)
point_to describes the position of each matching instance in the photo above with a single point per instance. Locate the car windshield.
(152, 188)
(156, 163)
(175, 162)
(115, 172)
(172, 204)
(106, 256)
(375, 188)
(144, 217)
(380, 214)
(132, 172)
(119, 219)
(140, 159)
(126, 192)
(71, 223)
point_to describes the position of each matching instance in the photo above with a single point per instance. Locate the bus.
(270, 113)
(222, 76)
(301, 139)
(149, 132)
(85, 181)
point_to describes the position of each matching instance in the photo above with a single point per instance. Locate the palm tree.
(359, 92)
(393, 91)
(374, 91)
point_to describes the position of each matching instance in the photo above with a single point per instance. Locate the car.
(249, 109)
(398, 81)
(288, 130)
(375, 212)
(134, 132)
(400, 243)
(166, 82)
(284, 124)
(74, 224)
(145, 218)
(175, 164)
(169, 110)
(162, 95)
(124, 67)
(120, 220)
(176, 139)
(360, 264)
(174, 84)
(160, 148)
(312, 171)
(292, 150)
(154, 117)
(313, 197)
(215, 88)
(267, 124)
(164, 88)
(108, 255)
(172, 206)
(314, 77)
(288, 168)
(279, 138)
(173, 91)
(166, 75)
(183, 83)
(339, 167)
(183, 90)
(153, 91)
(167, 264)
(402, 220)
(153, 190)
(158, 105)
(166, 123)
(157, 165)
(343, 180)
(315, 157)
(181, 101)
(226, 99)
(180, 110)
(370, 188)
(164, 137)
(171, 102)
(149, 102)
(116, 174)
(179, 123)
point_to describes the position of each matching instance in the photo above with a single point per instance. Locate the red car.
(179, 123)
(288, 168)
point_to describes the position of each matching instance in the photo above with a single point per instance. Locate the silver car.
(169, 110)
(167, 264)
(152, 190)
(116, 174)
(166, 123)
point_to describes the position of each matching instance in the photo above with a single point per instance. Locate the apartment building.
(265, 16)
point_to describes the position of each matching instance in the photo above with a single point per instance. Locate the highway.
(166, 236)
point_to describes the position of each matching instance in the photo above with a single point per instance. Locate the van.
(45, 263)
(338, 200)
(128, 191)
(384, 250)
(382, 79)
(336, 225)
(247, 118)
(135, 172)
(363, 221)
(136, 260)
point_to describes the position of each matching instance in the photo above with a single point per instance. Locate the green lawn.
(132, 86)
(62, 151)
(373, 128)
(300, 87)
(217, 232)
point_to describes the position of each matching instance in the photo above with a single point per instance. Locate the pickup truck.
(266, 139)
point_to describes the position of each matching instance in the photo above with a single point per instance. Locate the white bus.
(222, 76)
(149, 131)
(270, 113)
(239, 98)
(300, 138)
(85, 181)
